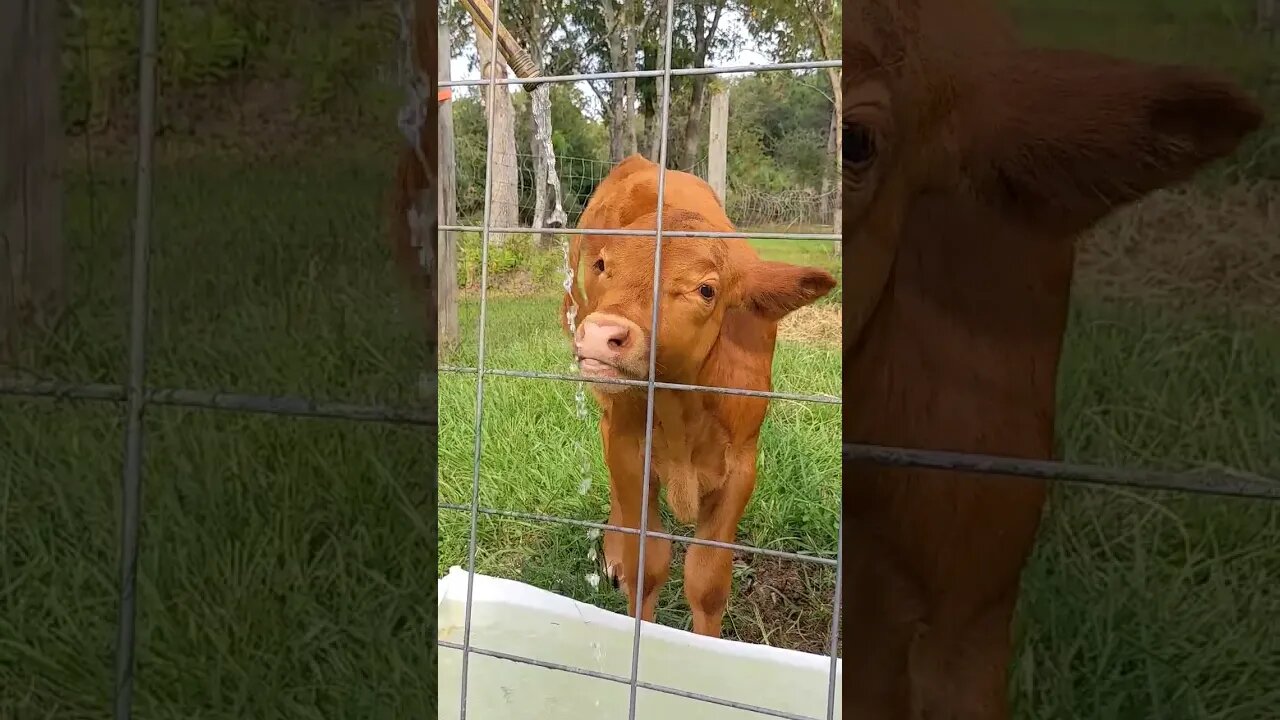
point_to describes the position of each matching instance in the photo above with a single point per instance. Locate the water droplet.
(580, 397)
(580, 392)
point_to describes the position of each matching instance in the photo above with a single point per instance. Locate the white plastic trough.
(521, 620)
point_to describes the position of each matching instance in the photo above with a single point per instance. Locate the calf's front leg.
(708, 570)
(622, 550)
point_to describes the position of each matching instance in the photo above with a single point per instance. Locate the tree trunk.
(634, 33)
(824, 207)
(649, 111)
(632, 140)
(539, 159)
(831, 178)
(653, 122)
(616, 110)
(33, 271)
(835, 140)
(505, 208)
(692, 136)
(836, 146)
(704, 32)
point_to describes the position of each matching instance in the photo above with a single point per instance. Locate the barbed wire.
(747, 206)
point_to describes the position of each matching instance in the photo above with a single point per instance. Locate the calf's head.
(703, 282)
(940, 98)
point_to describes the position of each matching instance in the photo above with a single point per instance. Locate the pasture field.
(287, 563)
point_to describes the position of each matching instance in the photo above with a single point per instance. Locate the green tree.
(801, 30)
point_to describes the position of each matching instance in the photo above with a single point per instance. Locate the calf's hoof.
(611, 558)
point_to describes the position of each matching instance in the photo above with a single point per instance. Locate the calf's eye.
(859, 144)
(707, 292)
(599, 265)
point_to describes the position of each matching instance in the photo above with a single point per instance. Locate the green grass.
(1141, 604)
(286, 563)
(1136, 602)
(798, 252)
(796, 505)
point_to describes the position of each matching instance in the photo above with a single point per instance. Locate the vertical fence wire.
(664, 120)
(480, 357)
(131, 480)
(834, 645)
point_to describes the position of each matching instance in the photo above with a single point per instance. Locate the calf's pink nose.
(603, 338)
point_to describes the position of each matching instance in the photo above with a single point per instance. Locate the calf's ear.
(774, 289)
(1062, 138)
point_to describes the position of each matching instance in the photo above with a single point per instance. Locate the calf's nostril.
(617, 338)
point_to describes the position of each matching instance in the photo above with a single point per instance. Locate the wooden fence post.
(448, 209)
(33, 272)
(718, 143)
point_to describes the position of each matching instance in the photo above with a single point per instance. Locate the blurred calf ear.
(1128, 129)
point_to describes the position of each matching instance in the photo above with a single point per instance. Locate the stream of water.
(541, 111)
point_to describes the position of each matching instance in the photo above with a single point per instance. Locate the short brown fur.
(989, 158)
(704, 444)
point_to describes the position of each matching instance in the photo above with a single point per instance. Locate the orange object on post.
(444, 95)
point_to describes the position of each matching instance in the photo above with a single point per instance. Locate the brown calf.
(718, 324)
(971, 163)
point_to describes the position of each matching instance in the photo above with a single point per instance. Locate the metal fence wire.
(749, 206)
(135, 396)
(482, 371)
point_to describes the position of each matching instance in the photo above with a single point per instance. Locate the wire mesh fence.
(135, 396)
(751, 207)
(139, 392)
